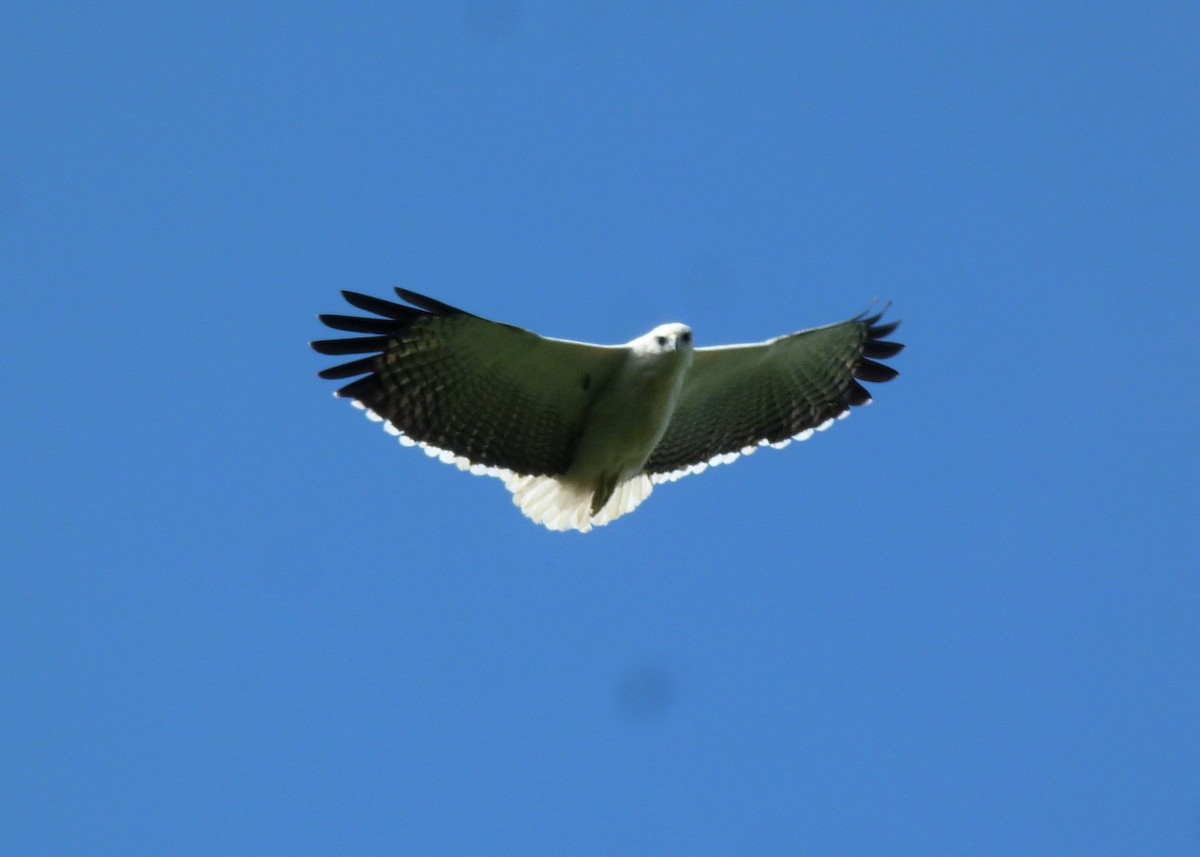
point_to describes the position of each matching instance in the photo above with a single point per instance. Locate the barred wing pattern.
(736, 398)
(489, 397)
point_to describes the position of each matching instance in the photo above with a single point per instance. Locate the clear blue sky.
(237, 618)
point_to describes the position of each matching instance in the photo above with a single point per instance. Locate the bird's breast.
(629, 416)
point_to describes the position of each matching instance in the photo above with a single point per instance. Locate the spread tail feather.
(562, 506)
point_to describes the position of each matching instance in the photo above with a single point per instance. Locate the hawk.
(580, 433)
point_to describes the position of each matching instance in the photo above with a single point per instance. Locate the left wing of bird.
(480, 394)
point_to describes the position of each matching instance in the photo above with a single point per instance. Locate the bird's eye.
(686, 336)
(662, 340)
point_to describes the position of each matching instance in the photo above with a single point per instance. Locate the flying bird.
(581, 433)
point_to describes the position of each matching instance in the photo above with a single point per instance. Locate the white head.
(664, 339)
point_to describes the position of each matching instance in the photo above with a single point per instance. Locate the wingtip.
(879, 331)
(876, 347)
(875, 373)
(881, 350)
(427, 303)
(362, 366)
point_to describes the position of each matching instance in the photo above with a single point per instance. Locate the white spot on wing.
(443, 455)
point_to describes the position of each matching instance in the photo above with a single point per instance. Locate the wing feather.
(354, 345)
(484, 395)
(738, 396)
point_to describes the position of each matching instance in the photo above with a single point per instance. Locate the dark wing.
(486, 395)
(738, 397)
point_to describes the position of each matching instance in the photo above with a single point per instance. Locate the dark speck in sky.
(646, 693)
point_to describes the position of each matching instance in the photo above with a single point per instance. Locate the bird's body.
(581, 433)
(625, 422)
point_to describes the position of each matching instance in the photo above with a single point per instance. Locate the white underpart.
(560, 505)
(564, 503)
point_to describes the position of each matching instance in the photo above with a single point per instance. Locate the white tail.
(562, 506)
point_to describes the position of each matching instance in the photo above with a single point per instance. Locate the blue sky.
(237, 618)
